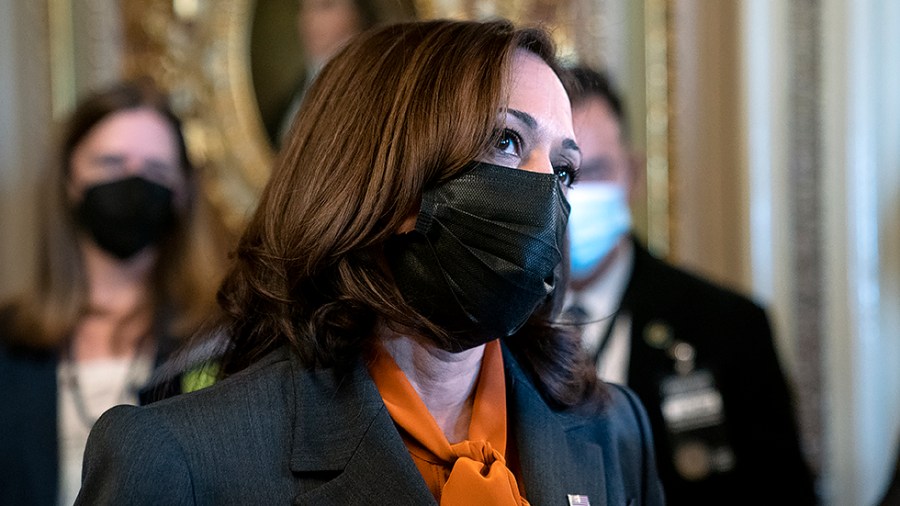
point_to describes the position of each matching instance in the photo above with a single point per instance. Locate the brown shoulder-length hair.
(399, 110)
(192, 257)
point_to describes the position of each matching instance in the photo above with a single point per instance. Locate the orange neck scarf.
(473, 471)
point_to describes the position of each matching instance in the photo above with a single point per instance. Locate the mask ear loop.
(577, 316)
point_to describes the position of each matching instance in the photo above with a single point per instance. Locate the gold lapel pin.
(658, 334)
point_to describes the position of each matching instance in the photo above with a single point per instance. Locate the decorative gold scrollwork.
(200, 50)
(203, 58)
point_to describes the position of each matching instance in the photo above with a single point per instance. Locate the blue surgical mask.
(600, 216)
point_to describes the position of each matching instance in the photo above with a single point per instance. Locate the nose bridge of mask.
(486, 208)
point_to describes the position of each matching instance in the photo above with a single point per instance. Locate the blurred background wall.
(772, 131)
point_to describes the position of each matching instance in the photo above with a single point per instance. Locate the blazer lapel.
(356, 456)
(555, 463)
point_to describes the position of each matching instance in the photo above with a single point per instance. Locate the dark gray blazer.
(279, 433)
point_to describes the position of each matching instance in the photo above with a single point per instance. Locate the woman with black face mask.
(128, 266)
(390, 311)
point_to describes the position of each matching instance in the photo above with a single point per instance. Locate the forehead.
(535, 89)
(595, 111)
(596, 125)
(139, 132)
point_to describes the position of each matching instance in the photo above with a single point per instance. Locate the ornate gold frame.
(658, 80)
(202, 56)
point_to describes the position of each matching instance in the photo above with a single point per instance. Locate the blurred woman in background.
(128, 265)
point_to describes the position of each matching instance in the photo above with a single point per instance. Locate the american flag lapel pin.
(579, 500)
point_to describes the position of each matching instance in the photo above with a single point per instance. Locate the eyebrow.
(524, 117)
(529, 121)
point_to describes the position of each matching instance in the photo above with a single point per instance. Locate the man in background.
(700, 357)
(325, 26)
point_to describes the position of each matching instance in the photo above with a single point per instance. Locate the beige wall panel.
(25, 132)
(709, 204)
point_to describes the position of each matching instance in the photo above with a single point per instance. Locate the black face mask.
(126, 215)
(484, 253)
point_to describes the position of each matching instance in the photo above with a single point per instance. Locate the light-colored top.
(101, 384)
(600, 301)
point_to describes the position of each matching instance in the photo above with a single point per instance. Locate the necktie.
(576, 314)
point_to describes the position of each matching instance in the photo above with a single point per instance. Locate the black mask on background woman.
(124, 216)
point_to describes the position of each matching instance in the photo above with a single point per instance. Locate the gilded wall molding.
(202, 57)
(660, 193)
(199, 51)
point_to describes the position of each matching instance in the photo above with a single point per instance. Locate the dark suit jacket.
(891, 496)
(279, 433)
(29, 449)
(29, 454)
(732, 338)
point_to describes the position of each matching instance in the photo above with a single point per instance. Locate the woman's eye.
(509, 143)
(567, 174)
(160, 172)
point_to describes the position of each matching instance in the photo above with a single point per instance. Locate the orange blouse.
(473, 471)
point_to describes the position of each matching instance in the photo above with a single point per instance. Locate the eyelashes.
(567, 174)
(510, 145)
(509, 139)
